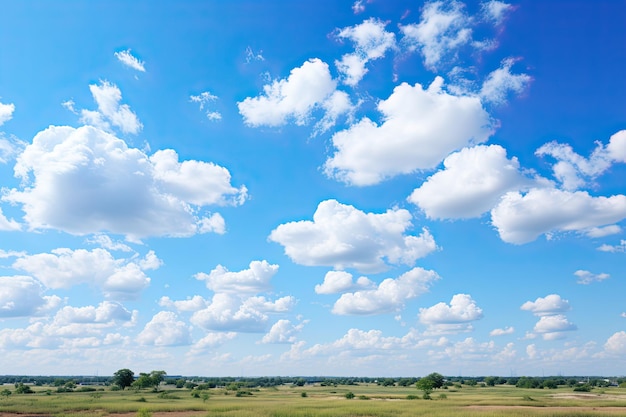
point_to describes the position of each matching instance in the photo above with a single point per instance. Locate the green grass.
(287, 401)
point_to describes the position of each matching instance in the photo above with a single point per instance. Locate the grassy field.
(287, 401)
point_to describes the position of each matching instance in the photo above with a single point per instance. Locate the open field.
(369, 400)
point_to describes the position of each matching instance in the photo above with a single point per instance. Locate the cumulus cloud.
(283, 331)
(230, 312)
(253, 280)
(452, 318)
(340, 281)
(501, 82)
(107, 313)
(416, 133)
(110, 111)
(6, 112)
(371, 41)
(552, 327)
(389, 296)
(194, 303)
(65, 268)
(545, 306)
(211, 340)
(621, 248)
(471, 183)
(522, 218)
(444, 27)
(85, 181)
(502, 332)
(23, 296)
(342, 236)
(616, 344)
(617, 146)
(307, 88)
(586, 277)
(128, 59)
(165, 330)
(596, 232)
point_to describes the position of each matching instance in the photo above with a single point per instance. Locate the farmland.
(315, 400)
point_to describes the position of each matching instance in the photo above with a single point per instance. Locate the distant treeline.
(259, 382)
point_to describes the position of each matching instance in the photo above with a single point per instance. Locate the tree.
(157, 377)
(426, 385)
(124, 378)
(437, 379)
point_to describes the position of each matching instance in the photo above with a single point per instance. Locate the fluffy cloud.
(586, 277)
(194, 303)
(496, 10)
(212, 340)
(616, 344)
(545, 306)
(471, 183)
(444, 28)
(502, 332)
(444, 318)
(283, 331)
(340, 281)
(253, 280)
(165, 330)
(416, 133)
(88, 181)
(110, 111)
(345, 237)
(228, 312)
(6, 112)
(621, 248)
(389, 296)
(8, 224)
(106, 312)
(23, 296)
(522, 218)
(64, 268)
(617, 146)
(307, 88)
(501, 82)
(127, 58)
(552, 327)
(371, 42)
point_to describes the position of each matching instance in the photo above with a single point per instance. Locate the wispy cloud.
(128, 59)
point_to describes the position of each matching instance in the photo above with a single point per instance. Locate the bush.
(583, 388)
(349, 395)
(363, 397)
(443, 396)
(144, 412)
(412, 397)
(303, 394)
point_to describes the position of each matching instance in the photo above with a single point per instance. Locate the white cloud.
(253, 56)
(471, 183)
(194, 303)
(358, 7)
(616, 344)
(496, 10)
(127, 58)
(523, 218)
(283, 331)
(203, 99)
(106, 242)
(501, 82)
(623, 315)
(545, 306)
(8, 225)
(621, 248)
(444, 28)
(337, 104)
(294, 98)
(229, 312)
(371, 41)
(596, 232)
(196, 182)
(165, 330)
(212, 340)
(552, 327)
(10, 147)
(416, 133)
(389, 296)
(586, 277)
(110, 111)
(106, 312)
(6, 112)
(617, 146)
(253, 280)
(342, 236)
(340, 281)
(502, 332)
(444, 318)
(88, 181)
(23, 296)
(65, 268)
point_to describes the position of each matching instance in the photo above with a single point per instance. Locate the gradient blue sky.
(369, 188)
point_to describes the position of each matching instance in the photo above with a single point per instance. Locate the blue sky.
(366, 188)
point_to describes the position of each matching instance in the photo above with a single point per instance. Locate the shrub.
(142, 400)
(443, 396)
(583, 388)
(349, 395)
(144, 412)
(412, 397)
(303, 394)
(363, 397)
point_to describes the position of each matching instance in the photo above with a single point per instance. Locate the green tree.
(157, 377)
(5, 393)
(123, 378)
(426, 385)
(437, 379)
